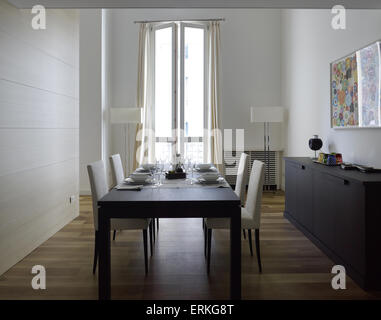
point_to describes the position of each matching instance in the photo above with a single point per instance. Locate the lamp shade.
(266, 114)
(126, 115)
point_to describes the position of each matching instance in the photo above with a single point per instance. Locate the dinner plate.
(211, 169)
(140, 173)
(139, 176)
(204, 166)
(217, 181)
(131, 181)
(148, 166)
(210, 176)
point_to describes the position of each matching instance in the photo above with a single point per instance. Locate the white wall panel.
(28, 149)
(27, 65)
(30, 108)
(39, 130)
(58, 42)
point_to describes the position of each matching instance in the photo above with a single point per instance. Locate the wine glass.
(157, 173)
(161, 170)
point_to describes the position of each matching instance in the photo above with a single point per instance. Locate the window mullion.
(181, 89)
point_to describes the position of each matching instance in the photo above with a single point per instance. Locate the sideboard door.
(338, 219)
(324, 208)
(290, 186)
(304, 196)
(299, 193)
(349, 226)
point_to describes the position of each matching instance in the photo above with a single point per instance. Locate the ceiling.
(312, 4)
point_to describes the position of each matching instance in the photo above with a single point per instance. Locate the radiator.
(231, 161)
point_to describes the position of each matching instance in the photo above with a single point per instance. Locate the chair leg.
(113, 236)
(250, 241)
(145, 250)
(257, 246)
(150, 238)
(95, 252)
(244, 233)
(209, 231)
(154, 230)
(157, 221)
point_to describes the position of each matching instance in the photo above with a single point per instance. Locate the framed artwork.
(356, 89)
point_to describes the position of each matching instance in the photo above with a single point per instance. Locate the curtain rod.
(170, 20)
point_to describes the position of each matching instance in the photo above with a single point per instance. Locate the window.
(179, 90)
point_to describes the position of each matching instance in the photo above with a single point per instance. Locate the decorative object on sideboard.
(359, 167)
(329, 159)
(315, 144)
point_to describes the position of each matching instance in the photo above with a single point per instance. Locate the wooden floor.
(293, 268)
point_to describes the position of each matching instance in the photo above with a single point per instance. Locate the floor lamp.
(126, 116)
(266, 115)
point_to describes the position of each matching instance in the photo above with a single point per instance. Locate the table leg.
(235, 254)
(104, 272)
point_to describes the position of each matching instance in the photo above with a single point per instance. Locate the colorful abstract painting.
(356, 90)
(369, 86)
(344, 93)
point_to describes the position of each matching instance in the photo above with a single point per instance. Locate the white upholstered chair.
(116, 169)
(118, 177)
(251, 213)
(240, 185)
(242, 176)
(99, 188)
(241, 181)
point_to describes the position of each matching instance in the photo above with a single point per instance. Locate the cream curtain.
(214, 143)
(144, 149)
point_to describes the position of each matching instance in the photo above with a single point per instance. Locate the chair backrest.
(254, 193)
(98, 184)
(116, 169)
(242, 176)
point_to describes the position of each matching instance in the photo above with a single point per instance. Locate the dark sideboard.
(340, 212)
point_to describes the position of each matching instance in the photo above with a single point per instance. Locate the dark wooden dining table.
(169, 203)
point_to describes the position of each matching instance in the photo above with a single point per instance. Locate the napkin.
(125, 187)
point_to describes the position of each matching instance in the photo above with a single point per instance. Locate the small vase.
(315, 143)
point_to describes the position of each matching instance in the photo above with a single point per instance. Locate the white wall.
(309, 44)
(90, 94)
(106, 62)
(250, 65)
(38, 129)
(94, 92)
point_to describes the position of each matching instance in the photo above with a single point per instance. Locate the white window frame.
(172, 139)
(178, 50)
(183, 139)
